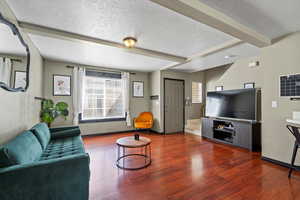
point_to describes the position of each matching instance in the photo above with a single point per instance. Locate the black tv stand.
(240, 133)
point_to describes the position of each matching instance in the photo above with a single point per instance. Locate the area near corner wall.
(137, 105)
(281, 58)
(157, 88)
(20, 111)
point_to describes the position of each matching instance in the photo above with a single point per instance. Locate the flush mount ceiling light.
(129, 42)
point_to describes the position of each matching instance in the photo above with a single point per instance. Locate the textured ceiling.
(218, 59)
(10, 44)
(272, 18)
(156, 27)
(96, 55)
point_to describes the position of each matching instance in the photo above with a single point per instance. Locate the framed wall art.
(249, 85)
(20, 79)
(61, 85)
(219, 88)
(138, 89)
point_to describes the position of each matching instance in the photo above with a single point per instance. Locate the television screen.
(239, 104)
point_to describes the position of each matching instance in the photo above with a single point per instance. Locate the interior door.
(174, 106)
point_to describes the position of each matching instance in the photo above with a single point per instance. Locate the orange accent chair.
(144, 121)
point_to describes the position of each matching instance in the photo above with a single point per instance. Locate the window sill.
(101, 120)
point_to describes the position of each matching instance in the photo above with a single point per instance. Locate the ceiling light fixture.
(129, 42)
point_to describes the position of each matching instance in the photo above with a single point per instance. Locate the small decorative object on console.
(136, 136)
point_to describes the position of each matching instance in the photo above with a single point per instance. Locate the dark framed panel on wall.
(138, 89)
(61, 85)
(290, 86)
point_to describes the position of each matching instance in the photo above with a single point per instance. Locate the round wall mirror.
(14, 58)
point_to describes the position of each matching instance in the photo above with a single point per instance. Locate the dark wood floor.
(187, 167)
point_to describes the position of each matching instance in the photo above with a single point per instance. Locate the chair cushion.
(143, 125)
(63, 147)
(25, 148)
(41, 131)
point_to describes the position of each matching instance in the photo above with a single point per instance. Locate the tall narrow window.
(103, 98)
(196, 92)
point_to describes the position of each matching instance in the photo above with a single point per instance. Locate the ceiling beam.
(215, 49)
(65, 35)
(204, 14)
(207, 52)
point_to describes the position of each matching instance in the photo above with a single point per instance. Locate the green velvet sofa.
(45, 164)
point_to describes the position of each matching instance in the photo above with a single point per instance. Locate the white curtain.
(5, 70)
(126, 90)
(78, 92)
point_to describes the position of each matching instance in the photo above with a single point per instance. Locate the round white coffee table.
(129, 142)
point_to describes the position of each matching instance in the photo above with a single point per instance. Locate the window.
(103, 97)
(196, 92)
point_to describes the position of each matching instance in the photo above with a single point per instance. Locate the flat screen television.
(237, 104)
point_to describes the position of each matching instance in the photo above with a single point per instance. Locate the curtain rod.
(101, 70)
(13, 59)
(16, 60)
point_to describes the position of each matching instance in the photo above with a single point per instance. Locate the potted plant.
(51, 111)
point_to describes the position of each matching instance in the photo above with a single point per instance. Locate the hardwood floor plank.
(187, 167)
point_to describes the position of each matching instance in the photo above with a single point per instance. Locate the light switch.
(274, 104)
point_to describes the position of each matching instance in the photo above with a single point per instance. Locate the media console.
(245, 134)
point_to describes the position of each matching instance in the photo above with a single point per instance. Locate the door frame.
(180, 80)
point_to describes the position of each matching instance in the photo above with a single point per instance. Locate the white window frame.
(102, 119)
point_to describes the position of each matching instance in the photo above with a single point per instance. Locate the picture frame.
(20, 80)
(138, 89)
(61, 85)
(219, 88)
(249, 85)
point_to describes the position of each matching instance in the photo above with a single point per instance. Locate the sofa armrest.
(60, 179)
(63, 133)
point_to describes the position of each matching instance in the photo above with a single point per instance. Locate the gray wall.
(234, 76)
(282, 58)
(20, 110)
(155, 85)
(196, 111)
(157, 88)
(137, 105)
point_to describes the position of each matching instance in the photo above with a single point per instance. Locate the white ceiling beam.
(204, 14)
(65, 35)
(212, 50)
(218, 48)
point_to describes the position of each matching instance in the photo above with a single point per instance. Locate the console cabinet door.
(242, 134)
(207, 127)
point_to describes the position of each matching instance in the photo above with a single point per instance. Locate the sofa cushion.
(25, 148)
(41, 131)
(63, 147)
